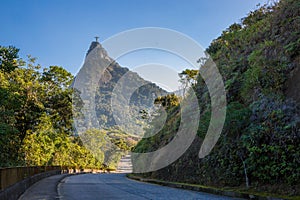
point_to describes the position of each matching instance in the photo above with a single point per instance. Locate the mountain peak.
(117, 87)
(93, 45)
(100, 51)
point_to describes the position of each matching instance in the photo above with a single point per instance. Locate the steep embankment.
(260, 142)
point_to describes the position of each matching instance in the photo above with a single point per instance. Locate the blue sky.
(59, 32)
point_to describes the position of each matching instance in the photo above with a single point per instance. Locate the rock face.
(102, 53)
(131, 92)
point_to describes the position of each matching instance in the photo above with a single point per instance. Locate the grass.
(226, 191)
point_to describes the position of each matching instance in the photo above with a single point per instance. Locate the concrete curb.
(61, 181)
(14, 191)
(200, 188)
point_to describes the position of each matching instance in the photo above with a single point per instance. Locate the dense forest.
(259, 146)
(36, 122)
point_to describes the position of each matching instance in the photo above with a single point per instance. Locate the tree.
(167, 101)
(57, 97)
(39, 144)
(36, 116)
(188, 77)
(8, 58)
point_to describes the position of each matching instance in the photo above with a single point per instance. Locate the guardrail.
(16, 180)
(12, 175)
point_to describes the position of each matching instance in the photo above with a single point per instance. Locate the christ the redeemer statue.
(97, 38)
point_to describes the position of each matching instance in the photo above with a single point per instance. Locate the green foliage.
(272, 141)
(168, 101)
(286, 26)
(260, 141)
(39, 143)
(188, 78)
(157, 135)
(36, 116)
(203, 124)
(57, 98)
(20, 106)
(8, 58)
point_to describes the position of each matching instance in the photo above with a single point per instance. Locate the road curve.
(117, 186)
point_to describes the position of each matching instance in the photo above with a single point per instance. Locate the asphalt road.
(45, 189)
(117, 186)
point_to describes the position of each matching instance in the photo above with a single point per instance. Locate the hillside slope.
(259, 147)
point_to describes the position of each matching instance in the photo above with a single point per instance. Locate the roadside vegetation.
(36, 120)
(259, 146)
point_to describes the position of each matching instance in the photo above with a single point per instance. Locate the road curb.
(61, 181)
(200, 188)
(58, 195)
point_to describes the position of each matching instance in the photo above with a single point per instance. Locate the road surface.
(45, 189)
(125, 165)
(117, 186)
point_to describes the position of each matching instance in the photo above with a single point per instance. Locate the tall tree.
(8, 58)
(188, 78)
